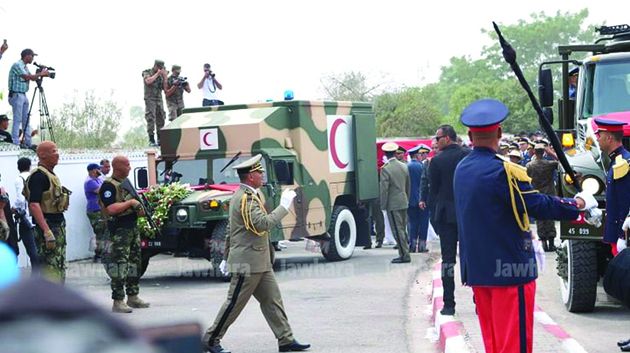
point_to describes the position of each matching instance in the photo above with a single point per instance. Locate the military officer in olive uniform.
(249, 258)
(48, 200)
(541, 171)
(175, 93)
(154, 83)
(395, 187)
(122, 258)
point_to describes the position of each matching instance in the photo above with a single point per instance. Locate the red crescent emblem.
(205, 140)
(333, 145)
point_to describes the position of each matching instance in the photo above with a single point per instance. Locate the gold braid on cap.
(256, 167)
(246, 212)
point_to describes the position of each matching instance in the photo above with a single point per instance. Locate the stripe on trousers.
(237, 289)
(522, 320)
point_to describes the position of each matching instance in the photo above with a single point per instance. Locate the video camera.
(180, 81)
(206, 67)
(51, 70)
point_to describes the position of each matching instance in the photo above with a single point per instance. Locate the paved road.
(359, 305)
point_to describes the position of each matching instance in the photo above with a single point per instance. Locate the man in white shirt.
(209, 86)
(23, 216)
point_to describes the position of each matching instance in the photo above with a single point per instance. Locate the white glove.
(621, 244)
(540, 255)
(223, 268)
(626, 224)
(589, 200)
(287, 198)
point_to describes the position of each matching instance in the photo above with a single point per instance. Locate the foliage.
(410, 112)
(136, 136)
(90, 123)
(351, 86)
(160, 199)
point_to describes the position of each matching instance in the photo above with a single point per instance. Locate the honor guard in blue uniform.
(494, 199)
(418, 217)
(609, 135)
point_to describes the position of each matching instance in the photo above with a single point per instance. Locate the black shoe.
(379, 244)
(623, 343)
(294, 346)
(552, 246)
(96, 259)
(396, 247)
(367, 247)
(625, 348)
(400, 260)
(216, 349)
(448, 310)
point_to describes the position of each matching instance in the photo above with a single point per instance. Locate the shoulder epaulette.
(621, 167)
(514, 170)
(514, 173)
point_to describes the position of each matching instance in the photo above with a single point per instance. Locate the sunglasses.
(437, 138)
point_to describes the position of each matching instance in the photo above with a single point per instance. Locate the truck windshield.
(186, 172)
(606, 88)
(229, 175)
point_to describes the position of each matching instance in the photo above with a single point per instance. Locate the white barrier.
(72, 170)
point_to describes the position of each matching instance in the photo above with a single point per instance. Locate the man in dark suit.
(442, 207)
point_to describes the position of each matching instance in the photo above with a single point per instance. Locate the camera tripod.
(45, 123)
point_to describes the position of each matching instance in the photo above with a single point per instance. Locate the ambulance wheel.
(578, 283)
(217, 248)
(343, 235)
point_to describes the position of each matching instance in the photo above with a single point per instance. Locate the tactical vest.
(54, 200)
(122, 195)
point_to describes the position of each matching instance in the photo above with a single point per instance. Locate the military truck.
(323, 150)
(601, 90)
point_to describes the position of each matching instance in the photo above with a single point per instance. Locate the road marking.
(569, 345)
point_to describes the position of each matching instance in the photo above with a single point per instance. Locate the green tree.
(87, 122)
(410, 112)
(349, 86)
(136, 136)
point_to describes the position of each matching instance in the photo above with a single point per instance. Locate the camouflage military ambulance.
(323, 150)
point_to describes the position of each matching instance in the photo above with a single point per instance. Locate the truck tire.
(145, 257)
(343, 235)
(217, 248)
(579, 288)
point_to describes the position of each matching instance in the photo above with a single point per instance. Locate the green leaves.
(161, 198)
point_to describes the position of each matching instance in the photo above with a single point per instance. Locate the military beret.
(176, 68)
(515, 154)
(389, 147)
(159, 63)
(251, 165)
(609, 125)
(484, 115)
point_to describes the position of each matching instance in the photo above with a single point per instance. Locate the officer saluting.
(249, 258)
(123, 259)
(493, 199)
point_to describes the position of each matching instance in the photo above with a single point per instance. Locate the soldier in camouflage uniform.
(122, 258)
(48, 199)
(249, 257)
(175, 93)
(154, 83)
(542, 173)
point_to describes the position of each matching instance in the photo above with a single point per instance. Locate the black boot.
(545, 245)
(151, 140)
(552, 246)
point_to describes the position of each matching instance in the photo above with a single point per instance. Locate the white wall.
(72, 170)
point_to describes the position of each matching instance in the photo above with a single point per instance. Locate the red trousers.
(506, 317)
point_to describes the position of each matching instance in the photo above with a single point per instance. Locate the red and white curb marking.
(450, 332)
(569, 344)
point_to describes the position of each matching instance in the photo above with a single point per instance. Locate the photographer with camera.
(19, 78)
(21, 213)
(175, 87)
(154, 83)
(209, 85)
